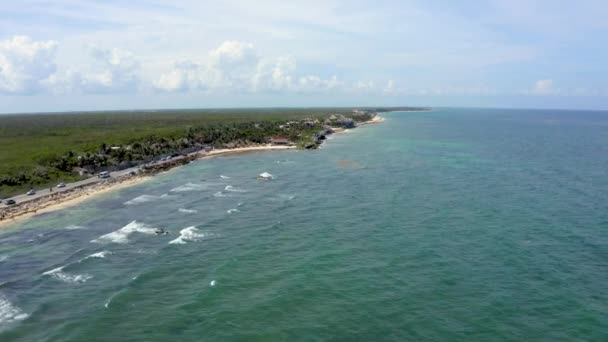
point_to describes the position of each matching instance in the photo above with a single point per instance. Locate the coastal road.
(117, 174)
(69, 186)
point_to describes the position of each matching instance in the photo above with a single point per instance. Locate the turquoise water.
(456, 224)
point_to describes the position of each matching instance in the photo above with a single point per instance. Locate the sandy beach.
(65, 199)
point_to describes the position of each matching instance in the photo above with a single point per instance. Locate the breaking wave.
(187, 211)
(265, 175)
(233, 189)
(73, 227)
(98, 255)
(190, 234)
(232, 211)
(10, 313)
(142, 199)
(188, 187)
(224, 177)
(122, 235)
(59, 274)
(220, 194)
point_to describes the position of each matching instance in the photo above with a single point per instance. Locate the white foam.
(107, 304)
(233, 189)
(3, 257)
(73, 227)
(188, 187)
(188, 234)
(187, 211)
(59, 274)
(122, 235)
(224, 177)
(212, 283)
(142, 199)
(232, 211)
(219, 194)
(10, 313)
(99, 255)
(265, 175)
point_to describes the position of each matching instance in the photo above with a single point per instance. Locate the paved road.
(68, 186)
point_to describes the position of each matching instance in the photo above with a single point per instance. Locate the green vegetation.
(38, 150)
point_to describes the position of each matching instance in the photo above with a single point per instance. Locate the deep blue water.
(455, 224)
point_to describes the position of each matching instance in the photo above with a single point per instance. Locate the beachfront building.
(280, 140)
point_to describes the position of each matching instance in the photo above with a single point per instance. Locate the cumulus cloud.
(233, 54)
(25, 64)
(228, 66)
(543, 87)
(365, 86)
(236, 66)
(275, 74)
(390, 87)
(107, 71)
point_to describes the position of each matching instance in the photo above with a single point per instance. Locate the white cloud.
(235, 66)
(365, 86)
(233, 53)
(107, 71)
(25, 64)
(543, 87)
(229, 66)
(390, 87)
(275, 74)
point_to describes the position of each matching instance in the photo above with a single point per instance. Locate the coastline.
(66, 199)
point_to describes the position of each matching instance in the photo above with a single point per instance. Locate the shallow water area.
(455, 224)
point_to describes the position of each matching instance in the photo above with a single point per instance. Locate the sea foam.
(73, 227)
(265, 175)
(122, 235)
(188, 234)
(224, 177)
(230, 188)
(187, 211)
(59, 274)
(98, 255)
(188, 187)
(142, 199)
(10, 313)
(220, 194)
(232, 211)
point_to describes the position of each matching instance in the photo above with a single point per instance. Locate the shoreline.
(66, 199)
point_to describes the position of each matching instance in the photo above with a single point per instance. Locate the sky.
(72, 55)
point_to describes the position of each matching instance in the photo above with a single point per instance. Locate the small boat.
(265, 175)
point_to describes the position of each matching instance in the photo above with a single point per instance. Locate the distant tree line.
(213, 135)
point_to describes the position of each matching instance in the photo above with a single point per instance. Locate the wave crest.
(122, 235)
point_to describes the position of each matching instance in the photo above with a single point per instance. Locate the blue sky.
(60, 55)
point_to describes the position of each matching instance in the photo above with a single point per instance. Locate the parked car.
(10, 202)
(104, 174)
(61, 185)
(31, 192)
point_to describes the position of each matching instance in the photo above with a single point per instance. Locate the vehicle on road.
(31, 192)
(104, 174)
(61, 185)
(10, 202)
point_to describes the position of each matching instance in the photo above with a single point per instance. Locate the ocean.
(448, 225)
